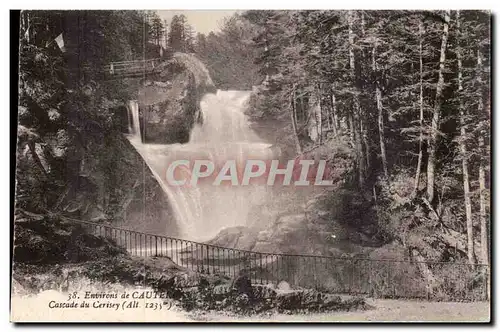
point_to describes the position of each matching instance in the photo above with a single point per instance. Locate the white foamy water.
(204, 209)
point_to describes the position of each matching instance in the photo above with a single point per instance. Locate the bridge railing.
(131, 67)
(362, 276)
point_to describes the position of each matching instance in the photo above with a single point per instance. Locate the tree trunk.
(463, 152)
(425, 271)
(380, 108)
(359, 147)
(482, 205)
(482, 172)
(433, 140)
(334, 114)
(357, 108)
(367, 146)
(293, 117)
(362, 14)
(319, 117)
(484, 259)
(421, 103)
(383, 153)
(363, 122)
(329, 117)
(351, 131)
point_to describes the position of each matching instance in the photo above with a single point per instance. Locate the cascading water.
(135, 127)
(203, 210)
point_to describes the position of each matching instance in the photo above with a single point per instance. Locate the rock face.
(300, 234)
(167, 114)
(115, 185)
(197, 68)
(236, 237)
(100, 179)
(323, 227)
(169, 101)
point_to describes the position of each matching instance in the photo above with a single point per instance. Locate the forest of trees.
(228, 53)
(176, 36)
(410, 91)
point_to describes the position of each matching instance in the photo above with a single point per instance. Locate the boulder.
(168, 112)
(169, 103)
(242, 285)
(240, 237)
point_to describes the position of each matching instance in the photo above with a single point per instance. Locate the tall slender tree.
(421, 108)
(463, 148)
(435, 124)
(356, 125)
(482, 171)
(380, 108)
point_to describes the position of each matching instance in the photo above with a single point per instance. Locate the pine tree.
(156, 29)
(176, 37)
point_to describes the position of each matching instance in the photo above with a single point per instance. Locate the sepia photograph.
(211, 166)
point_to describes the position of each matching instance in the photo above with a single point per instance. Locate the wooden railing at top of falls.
(131, 68)
(352, 275)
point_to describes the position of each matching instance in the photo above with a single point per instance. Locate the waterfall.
(135, 126)
(205, 209)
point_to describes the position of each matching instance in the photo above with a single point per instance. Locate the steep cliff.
(169, 101)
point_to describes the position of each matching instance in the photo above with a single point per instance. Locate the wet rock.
(240, 237)
(169, 105)
(197, 68)
(168, 111)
